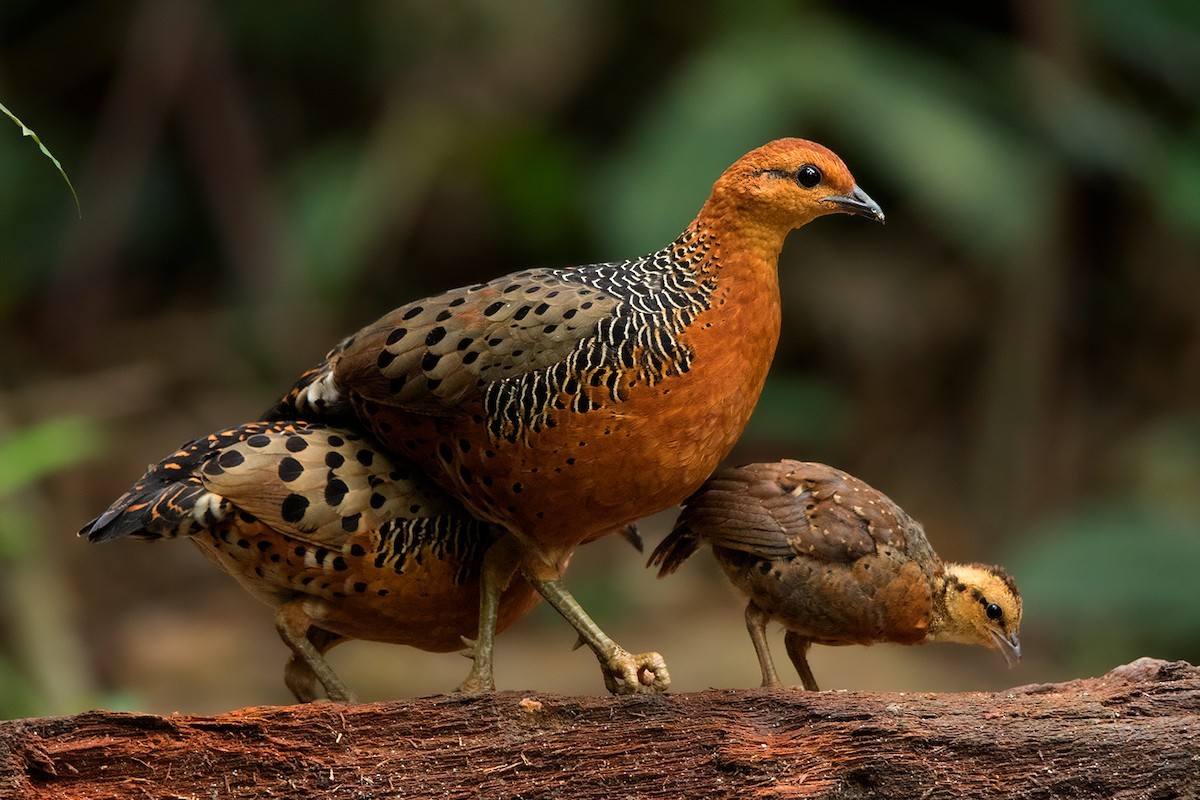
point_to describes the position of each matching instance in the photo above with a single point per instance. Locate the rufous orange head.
(788, 183)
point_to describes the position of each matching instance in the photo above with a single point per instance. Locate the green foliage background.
(1015, 357)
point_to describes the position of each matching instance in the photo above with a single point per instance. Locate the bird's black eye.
(808, 176)
(993, 611)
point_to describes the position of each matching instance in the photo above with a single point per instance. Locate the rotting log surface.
(1133, 733)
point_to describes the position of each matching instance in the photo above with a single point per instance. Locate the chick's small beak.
(857, 202)
(1007, 646)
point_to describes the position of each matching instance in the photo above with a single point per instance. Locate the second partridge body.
(563, 403)
(837, 563)
(344, 541)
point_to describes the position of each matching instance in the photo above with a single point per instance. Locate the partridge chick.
(343, 540)
(563, 403)
(837, 563)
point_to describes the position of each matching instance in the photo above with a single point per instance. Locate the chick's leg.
(756, 624)
(797, 649)
(499, 564)
(624, 672)
(293, 624)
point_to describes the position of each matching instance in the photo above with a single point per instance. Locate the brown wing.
(845, 518)
(524, 346)
(438, 352)
(784, 509)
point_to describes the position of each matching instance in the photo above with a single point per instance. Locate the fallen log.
(1132, 733)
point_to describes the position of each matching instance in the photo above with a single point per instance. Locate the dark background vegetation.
(1015, 357)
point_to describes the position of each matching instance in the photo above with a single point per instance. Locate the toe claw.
(626, 673)
(652, 673)
(470, 647)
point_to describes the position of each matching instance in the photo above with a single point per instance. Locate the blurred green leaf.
(1161, 464)
(946, 134)
(728, 98)
(536, 176)
(1094, 131)
(39, 450)
(1161, 38)
(351, 195)
(18, 527)
(1115, 580)
(330, 235)
(798, 408)
(25, 131)
(17, 695)
(30, 454)
(1176, 176)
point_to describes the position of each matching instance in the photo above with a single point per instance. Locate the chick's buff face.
(984, 608)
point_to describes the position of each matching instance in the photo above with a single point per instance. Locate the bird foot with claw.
(474, 683)
(644, 673)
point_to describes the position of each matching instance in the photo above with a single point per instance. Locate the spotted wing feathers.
(318, 484)
(519, 350)
(436, 353)
(314, 483)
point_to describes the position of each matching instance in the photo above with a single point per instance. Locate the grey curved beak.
(1009, 647)
(857, 202)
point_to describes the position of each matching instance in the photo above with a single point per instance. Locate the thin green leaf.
(26, 131)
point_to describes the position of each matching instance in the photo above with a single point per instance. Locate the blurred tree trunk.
(1134, 732)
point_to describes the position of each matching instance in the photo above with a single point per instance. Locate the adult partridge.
(319, 523)
(563, 403)
(837, 563)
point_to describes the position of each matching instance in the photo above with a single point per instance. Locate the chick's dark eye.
(993, 611)
(808, 176)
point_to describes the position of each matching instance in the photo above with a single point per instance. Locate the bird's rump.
(317, 485)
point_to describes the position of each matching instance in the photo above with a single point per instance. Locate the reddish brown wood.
(1133, 733)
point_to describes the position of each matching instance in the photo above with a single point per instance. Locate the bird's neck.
(944, 623)
(743, 238)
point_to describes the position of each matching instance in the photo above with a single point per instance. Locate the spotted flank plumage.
(330, 492)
